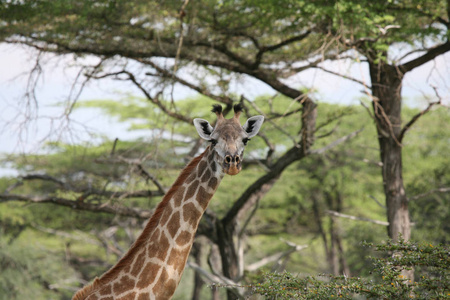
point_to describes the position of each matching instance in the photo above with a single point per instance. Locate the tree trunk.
(197, 252)
(386, 89)
(336, 256)
(228, 253)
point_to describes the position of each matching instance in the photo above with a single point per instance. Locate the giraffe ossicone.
(152, 267)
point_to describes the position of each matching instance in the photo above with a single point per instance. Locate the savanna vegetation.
(321, 182)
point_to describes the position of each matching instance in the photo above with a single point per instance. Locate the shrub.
(431, 265)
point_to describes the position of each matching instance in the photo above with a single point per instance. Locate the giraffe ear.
(253, 125)
(204, 129)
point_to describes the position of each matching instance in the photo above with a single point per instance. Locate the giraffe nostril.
(237, 159)
(227, 159)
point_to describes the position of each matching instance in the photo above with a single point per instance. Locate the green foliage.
(29, 270)
(138, 28)
(432, 265)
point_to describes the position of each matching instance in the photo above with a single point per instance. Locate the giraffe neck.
(153, 266)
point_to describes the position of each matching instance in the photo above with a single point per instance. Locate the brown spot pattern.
(191, 178)
(211, 156)
(165, 216)
(137, 267)
(178, 196)
(206, 176)
(213, 166)
(191, 190)
(213, 183)
(144, 296)
(106, 290)
(106, 298)
(159, 249)
(92, 297)
(203, 197)
(155, 236)
(147, 275)
(165, 287)
(127, 268)
(174, 224)
(177, 259)
(183, 238)
(191, 214)
(125, 283)
(201, 167)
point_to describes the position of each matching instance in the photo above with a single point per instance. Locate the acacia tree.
(376, 30)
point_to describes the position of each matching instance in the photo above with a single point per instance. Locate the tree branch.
(165, 73)
(88, 191)
(439, 190)
(414, 119)
(155, 100)
(336, 142)
(137, 163)
(216, 279)
(429, 55)
(274, 47)
(343, 76)
(338, 214)
(80, 205)
(275, 257)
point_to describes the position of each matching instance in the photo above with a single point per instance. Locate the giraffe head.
(228, 138)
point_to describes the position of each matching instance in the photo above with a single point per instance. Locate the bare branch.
(181, 34)
(155, 100)
(89, 191)
(439, 190)
(249, 218)
(216, 279)
(80, 205)
(275, 257)
(342, 75)
(338, 214)
(137, 163)
(288, 41)
(274, 47)
(368, 110)
(377, 202)
(429, 55)
(45, 177)
(381, 115)
(270, 120)
(213, 278)
(81, 236)
(336, 142)
(415, 118)
(165, 73)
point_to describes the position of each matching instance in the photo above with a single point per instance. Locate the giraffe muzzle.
(232, 164)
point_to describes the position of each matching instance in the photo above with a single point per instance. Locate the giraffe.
(152, 267)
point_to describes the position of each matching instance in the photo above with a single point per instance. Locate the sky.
(56, 85)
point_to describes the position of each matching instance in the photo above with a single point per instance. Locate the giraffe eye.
(245, 141)
(213, 142)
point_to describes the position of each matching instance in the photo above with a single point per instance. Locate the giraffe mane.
(87, 290)
(152, 223)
